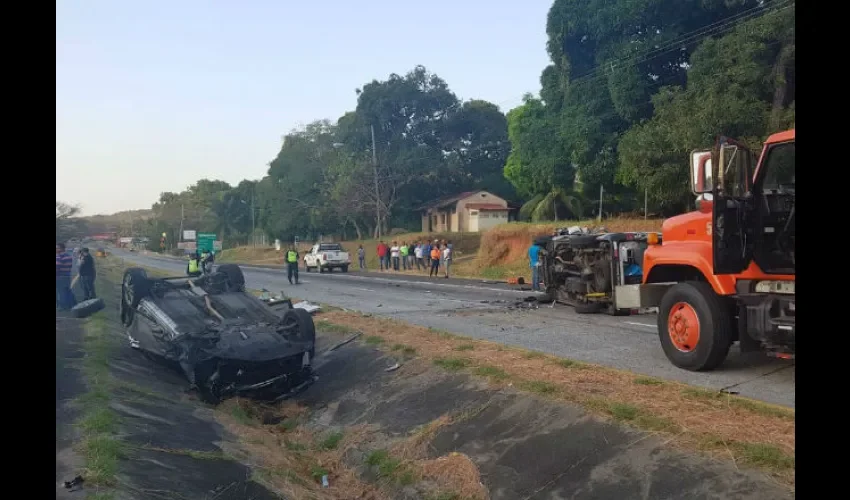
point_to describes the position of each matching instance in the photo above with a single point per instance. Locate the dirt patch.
(723, 426)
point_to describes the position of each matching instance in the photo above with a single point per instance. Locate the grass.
(492, 372)
(374, 340)
(328, 327)
(390, 468)
(739, 426)
(101, 449)
(405, 349)
(647, 381)
(331, 441)
(452, 364)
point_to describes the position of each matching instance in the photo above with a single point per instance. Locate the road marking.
(364, 289)
(640, 324)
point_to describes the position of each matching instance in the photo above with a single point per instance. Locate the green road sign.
(206, 241)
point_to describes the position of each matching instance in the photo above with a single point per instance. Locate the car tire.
(344, 269)
(134, 286)
(689, 305)
(306, 330)
(583, 240)
(86, 308)
(235, 278)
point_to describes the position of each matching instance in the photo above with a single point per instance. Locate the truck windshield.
(330, 247)
(780, 165)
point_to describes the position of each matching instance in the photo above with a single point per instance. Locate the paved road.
(482, 310)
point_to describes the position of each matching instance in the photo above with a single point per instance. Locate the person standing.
(426, 254)
(382, 255)
(292, 264)
(403, 253)
(534, 262)
(417, 254)
(361, 257)
(193, 267)
(435, 261)
(394, 252)
(87, 274)
(64, 263)
(447, 258)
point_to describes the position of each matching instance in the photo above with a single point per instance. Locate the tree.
(68, 225)
(748, 95)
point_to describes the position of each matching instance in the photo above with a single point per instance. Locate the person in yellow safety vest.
(292, 264)
(193, 268)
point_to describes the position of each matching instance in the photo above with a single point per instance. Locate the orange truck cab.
(726, 272)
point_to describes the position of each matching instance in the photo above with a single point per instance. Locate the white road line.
(364, 289)
(640, 324)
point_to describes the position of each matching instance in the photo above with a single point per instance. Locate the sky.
(152, 96)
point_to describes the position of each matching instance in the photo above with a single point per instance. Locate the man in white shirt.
(419, 256)
(447, 258)
(394, 252)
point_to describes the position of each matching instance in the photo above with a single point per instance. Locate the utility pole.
(377, 190)
(180, 235)
(645, 202)
(253, 223)
(601, 192)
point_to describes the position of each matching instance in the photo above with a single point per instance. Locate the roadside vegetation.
(750, 433)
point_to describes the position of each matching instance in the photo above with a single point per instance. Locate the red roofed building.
(471, 211)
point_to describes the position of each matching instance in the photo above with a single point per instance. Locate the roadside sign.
(206, 241)
(217, 245)
(187, 245)
(189, 234)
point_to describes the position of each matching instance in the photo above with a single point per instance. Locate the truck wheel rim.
(683, 326)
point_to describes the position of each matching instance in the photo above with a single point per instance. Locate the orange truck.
(725, 273)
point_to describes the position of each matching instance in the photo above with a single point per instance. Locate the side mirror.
(701, 173)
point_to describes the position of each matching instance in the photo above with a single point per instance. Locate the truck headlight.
(783, 287)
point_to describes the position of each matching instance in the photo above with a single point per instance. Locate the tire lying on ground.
(235, 278)
(87, 307)
(589, 308)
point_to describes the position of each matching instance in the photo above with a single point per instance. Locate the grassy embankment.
(495, 254)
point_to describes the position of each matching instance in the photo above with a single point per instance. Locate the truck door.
(732, 214)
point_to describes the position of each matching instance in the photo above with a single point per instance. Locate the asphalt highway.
(489, 311)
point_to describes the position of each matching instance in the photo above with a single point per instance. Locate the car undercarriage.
(226, 341)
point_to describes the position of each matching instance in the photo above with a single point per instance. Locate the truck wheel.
(345, 269)
(694, 326)
(321, 269)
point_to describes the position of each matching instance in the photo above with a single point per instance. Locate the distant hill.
(114, 222)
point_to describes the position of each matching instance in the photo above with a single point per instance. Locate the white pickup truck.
(327, 256)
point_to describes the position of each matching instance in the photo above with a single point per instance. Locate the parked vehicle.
(327, 257)
(726, 272)
(227, 342)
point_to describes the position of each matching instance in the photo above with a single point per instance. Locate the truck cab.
(726, 272)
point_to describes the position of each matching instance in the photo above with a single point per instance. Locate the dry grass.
(291, 458)
(495, 254)
(718, 424)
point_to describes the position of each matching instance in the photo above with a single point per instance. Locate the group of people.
(200, 263)
(86, 275)
(424, 255)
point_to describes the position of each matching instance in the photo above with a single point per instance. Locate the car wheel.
(345, 269)
(87, 307)
(134, 286)
(235, 278)
(302, 327)
(695, 326)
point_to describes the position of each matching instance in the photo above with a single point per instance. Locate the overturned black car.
(584, 269)
(226, 341)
